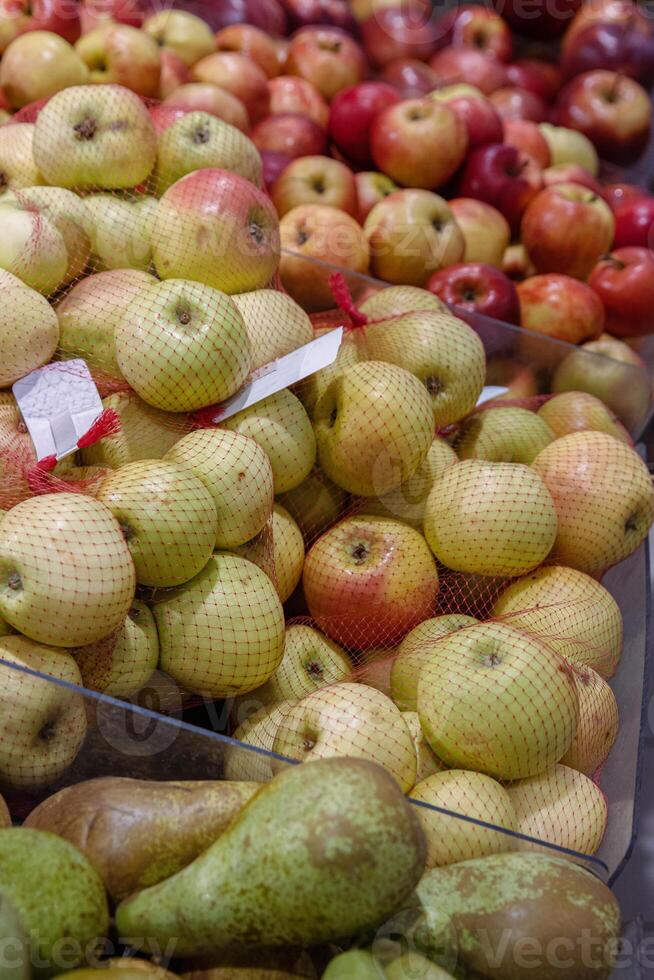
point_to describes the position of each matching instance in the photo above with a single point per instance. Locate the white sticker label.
(490, 392)
(59, 403)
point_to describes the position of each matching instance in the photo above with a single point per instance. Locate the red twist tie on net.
(106, 424)
(207, 418)
(343, 296)
(40, 478)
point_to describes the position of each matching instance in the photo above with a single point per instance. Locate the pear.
(136, 832)
(13, 943)
(413, 966)
(124, 968)
(240, 973)
(356, 964)
(56, 893)
(320, 852)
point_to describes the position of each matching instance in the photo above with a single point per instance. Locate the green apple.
(347, 720)
(182, 345)
(503, 435)
(315, 504)
(68, 214)
(312, 388)
(222, 633)
(279, 551)
(29, 330)
(574, 613)
(604, 499)
(91, 136)
(490, 518)
(398, 300)
(17, 165)
(471, 794)
(237, 473)
(32, 248)
(415, 649)
(66, 574)
(427, 762)
(374, 425)
(122, 663)
(145, 433)
(574, 411)
(598, 722)
(181, 32)
(43, 724)
(280, 425)
(120, 231)
(257, 730)
(167, 517)
(198, 140)
(275, 323)
(498, 701)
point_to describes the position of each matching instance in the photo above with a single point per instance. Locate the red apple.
(516, 263)
(95, 12)
(560, 307)
(335, 13)
(291, 94)
(205, 97)
(526, 136)
(571, 173)
(611, 110)
(411, 78)
(408, 30)
(479, 115)
(419, 142)
(164, 116)
(502, 176)
(315, 180)
(291, 134)
(540, 19)
(623, 12)
(519, 103)
(372, 187)
(470, 66)
(634, 223)
(273, 164)
(19, 16)
(477, 288)
(565, 228)
(474, 26)
(327, 57)
(239, 76)
(615, 46)
(173, 73)
(537, 76)
(266, 14)
(485, 230)
(251, 42)
(351, 115)
(624, 281)
(617, 194)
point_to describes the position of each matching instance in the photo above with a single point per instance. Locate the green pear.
(503, 435)
(413, 966)
(320, 852)
(356, 964)
(57, 895)
(136, 832)
(13, 943)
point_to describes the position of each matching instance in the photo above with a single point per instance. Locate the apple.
(561, 806)
(17, 456)
(123, 55)
(88, 315)
(540, 77)
(315, 505)
(371, 188)
(291, 134)
(311, 661)
(411, 233)
(613, 111)
(37, 65)
(173, 74)
(526, 136)
(576, 615)
(199, 140)
(122, 664)
(478, 114)
(256, 731)
(473, 26)
(399, 30)
(29, 330)
(569, 146)
(352, 114)
(204, 97)
(327, 57)
(473, 794)
(145, 432)
(615, 46)
(315, 180)
(617, 194)
(478, 288)
(519, 379)
(32, 248)
(560, 307)
(239, 76)
(334, 12)
(410, 78)
(565, 228)
(279, 551)
(297, 96)
(475, 502)
(503, 435)
(222, 633)
(485, 230)
(598, 725)
(182, 345)
(356, 454)
(418, 142)
(596, 481)
(571, 173)
(574, 411)
(484, 71)
(317, 231)
(17, 167)
(96, 12)
(120, 231)
(186, 35)
(503, 176)
(275, 323)
(623, 281)
(44, 723)
(253, 43)
(540, 20)
(234, 222)
(69, 215)
(415, 649)
(95, 137)
(478, 696)
(280, 425)
(426, 760)
(351, 720)
(22, 16)
(68, 573)
(272, 164)
(167, 516)
(269, 15)
(634, 221)
(512, 102)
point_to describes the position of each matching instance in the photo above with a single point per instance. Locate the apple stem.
(343, 296)
(612, 261)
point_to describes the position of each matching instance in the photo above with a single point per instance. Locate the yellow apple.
(598, 722)
(415, 650)
(350, 352)
(121, 54)
(398, 300)
(315, 504)
(145, 433)
(122, 663)
(574, 411)
(279, 551)
(503, 435)
(32, 248)
(427, 761)
(120, 231)
(275, 323)
(570, 146)
(28, 330)
(38, 64)
(181, 32)
(68, 213)
(17, 167)
(258, 730)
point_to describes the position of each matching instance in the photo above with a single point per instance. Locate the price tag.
(490, 392)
